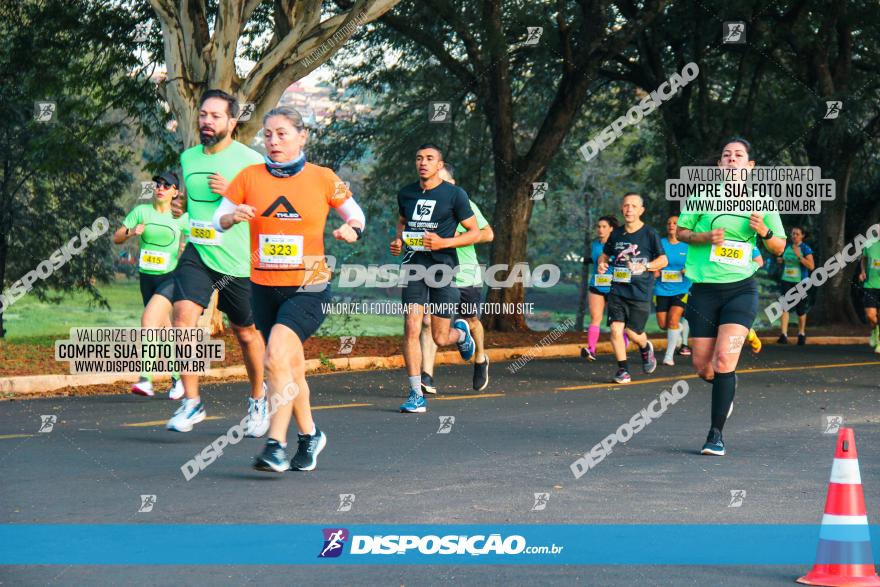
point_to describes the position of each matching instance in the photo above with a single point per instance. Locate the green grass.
(35, 322)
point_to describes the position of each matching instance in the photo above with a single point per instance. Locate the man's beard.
(211, 140)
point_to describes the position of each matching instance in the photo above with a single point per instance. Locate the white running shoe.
(190, 412)
(176, 390)
(143, 387)
(258, 417)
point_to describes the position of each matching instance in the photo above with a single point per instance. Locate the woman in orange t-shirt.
(286, 202)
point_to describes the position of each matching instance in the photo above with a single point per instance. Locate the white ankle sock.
(673, 336)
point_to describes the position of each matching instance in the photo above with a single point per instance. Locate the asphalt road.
(513, 440)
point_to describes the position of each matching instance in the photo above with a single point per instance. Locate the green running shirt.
(468, 265)
(225, 252)
(872, 266)
(731, 262)
(160, 241)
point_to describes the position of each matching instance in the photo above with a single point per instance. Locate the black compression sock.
(624, 364)
(723, 390)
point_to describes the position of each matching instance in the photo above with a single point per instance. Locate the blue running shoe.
(714, 444)
(466, 347)
(415, 404)
(273, 459)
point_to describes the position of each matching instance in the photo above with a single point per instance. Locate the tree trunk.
(834, 303)
(509, 248)
(583, 288)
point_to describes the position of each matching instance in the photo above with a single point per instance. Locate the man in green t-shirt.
(215, 260)
(469, 282)
(870, 278)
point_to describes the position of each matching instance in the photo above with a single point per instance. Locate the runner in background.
(797, 260)
(600, 285)
(287, 200)
(469, 282)
(869, 276)
(160, 242)
(671, 289)
(634, 252)
(723, 301)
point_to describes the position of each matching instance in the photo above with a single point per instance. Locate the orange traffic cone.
(844, 556)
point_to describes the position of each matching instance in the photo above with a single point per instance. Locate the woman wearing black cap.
(159, 234)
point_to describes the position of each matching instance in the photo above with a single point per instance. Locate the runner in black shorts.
(289, 273)
(469, 281)
(869, 276)
(160, 235)
(723, 300)
(217, 261)
(671, 291)
(634, 252)
(429, 212)
(797, 260)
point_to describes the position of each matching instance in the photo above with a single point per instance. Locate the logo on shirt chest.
(282, 209)
(424, 209)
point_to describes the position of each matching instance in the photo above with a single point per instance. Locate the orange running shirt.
(287, 232)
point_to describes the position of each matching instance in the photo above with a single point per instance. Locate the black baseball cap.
(169, 177)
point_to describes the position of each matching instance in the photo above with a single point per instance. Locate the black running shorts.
(157, 285)
(663, 303)
(871, 298)
(633, 313)
(803, 306)
(301, 311)
(194, 281)
(469, 301)
(442, 301)
(713, 304)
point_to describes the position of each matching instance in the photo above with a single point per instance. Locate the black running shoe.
(307, 451)
(273, 459)
(802, 339)
(481, 375)
(783, 339)
(428, 383)
(684, 350)
(587, 354)
(714, 444)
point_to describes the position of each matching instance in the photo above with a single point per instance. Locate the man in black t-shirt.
(634, 252)
(430, 210)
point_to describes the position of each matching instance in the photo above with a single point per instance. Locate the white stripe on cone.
(846, 472)
(844, 520)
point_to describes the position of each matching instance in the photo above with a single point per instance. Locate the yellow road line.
(455, 397)
(9, 436)
(159, 422)
(337, 406)
(756, 370)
